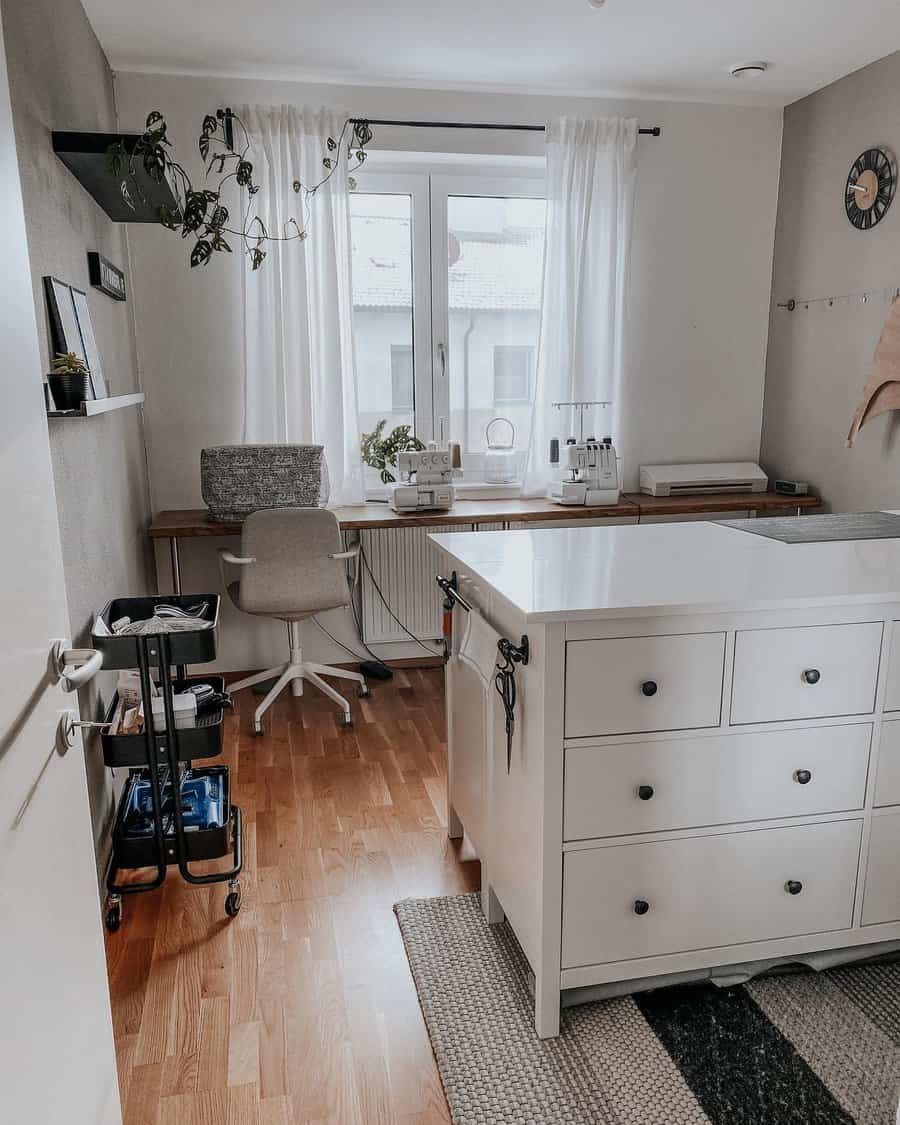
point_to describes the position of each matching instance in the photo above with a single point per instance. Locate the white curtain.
(591, 173)
(299, 367)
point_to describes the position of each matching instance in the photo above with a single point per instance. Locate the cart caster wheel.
(113, 918)
(363, 692)
(233, 903)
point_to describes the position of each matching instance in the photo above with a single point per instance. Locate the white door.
(57, 1062)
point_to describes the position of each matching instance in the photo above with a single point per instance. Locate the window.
(447, 275)
(401, 378)
(381, 263)
(513, 365)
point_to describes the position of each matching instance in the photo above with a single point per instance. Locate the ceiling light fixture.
(596, 3)
(749, 69)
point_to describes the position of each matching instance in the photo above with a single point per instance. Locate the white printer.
(699, 479)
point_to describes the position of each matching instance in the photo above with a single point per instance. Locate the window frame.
(430, 184)
(415, 185)
(443, 186)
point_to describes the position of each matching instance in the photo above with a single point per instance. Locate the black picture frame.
(106, 277)
(65, 335)
(71, 329)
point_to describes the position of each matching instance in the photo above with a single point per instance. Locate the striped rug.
(810, 1049)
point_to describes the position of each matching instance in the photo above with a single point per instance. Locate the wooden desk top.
(770, 503)
(192, 523)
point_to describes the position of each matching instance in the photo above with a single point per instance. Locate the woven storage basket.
(236, 480)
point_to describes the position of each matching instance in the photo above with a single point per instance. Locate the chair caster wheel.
(113, 917)
(347, 721)
(233, 900)
(258, 729)
(363, 692)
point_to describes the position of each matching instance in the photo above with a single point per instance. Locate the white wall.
(698, 307)
(819, 357)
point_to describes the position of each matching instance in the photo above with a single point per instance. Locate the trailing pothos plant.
(381, 452)
(201, 214)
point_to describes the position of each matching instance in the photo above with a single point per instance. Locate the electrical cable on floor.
(394, 617)
(359, 633)
(340, 644)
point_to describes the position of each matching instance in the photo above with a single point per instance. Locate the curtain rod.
(655, 131)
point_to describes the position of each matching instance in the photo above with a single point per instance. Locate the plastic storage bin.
(207, 825)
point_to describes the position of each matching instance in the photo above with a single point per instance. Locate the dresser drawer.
(892, 693)
(808, 673)
(887, 784)
(640, 900)
(718, 779)
(881, 898)
(626, 685)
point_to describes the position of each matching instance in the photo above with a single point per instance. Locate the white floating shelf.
(93, 406)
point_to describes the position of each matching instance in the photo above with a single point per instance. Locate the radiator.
(404, 564)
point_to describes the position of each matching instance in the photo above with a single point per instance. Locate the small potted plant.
(70, 381)
(380, 452)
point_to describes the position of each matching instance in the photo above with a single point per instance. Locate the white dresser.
(706, 763)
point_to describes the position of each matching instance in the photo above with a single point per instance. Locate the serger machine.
(426, 479)
(590, 468)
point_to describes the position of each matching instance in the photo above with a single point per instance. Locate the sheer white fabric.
(591, 176)
(299, 365)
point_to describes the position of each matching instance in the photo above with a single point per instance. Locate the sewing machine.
(591, 469)
(432, 487)
(592, 475)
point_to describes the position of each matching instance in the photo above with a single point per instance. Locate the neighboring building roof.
(488, 274)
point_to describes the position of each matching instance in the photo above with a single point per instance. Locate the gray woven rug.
(810, 1049)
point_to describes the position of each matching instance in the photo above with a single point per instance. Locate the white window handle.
(74, 666)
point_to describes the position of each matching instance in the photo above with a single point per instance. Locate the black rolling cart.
(167, 830)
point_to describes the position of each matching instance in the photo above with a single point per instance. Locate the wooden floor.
(301, 1010)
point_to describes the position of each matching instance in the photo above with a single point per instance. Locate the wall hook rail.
(887, 292)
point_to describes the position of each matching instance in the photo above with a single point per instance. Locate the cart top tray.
(187, 646)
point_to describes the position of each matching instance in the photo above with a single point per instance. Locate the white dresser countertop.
(648, 569)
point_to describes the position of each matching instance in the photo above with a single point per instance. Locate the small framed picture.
(71, 329)
(89, 342)
(106, 277)
(64, 333)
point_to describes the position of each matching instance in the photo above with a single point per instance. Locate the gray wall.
(60, 79)
(818, 358)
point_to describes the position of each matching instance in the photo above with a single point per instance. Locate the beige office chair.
(292, 566)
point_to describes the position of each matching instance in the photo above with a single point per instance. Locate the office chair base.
(295, 673)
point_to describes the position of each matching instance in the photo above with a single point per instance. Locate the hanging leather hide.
(882, 390)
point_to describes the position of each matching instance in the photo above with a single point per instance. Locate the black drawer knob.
(640, 906)
(645, 792)
(793, 886)
(649, 687)
(802, 777)
(812, 676)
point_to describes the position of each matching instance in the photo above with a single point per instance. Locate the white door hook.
(68, 727)
(74, 666)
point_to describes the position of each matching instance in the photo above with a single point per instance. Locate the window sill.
(484, 490)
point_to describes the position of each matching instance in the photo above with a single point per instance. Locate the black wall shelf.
(84, 154)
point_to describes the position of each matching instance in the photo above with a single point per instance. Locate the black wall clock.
(870, 188)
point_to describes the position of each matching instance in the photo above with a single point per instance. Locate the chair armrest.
(351, 554)
(227, 557)
(235, 560)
